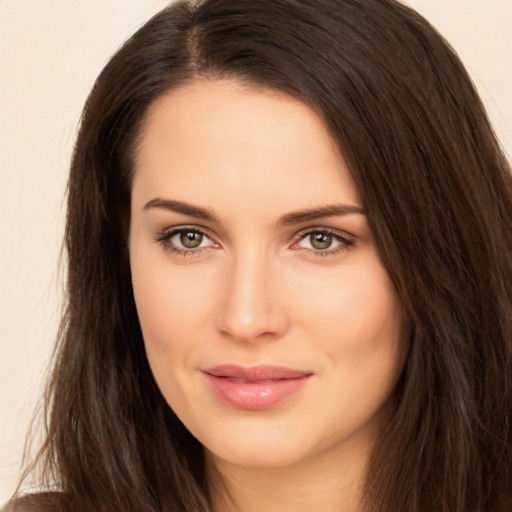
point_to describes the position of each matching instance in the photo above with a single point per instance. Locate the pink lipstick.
(255, 387)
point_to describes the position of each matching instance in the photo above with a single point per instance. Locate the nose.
(250, 308)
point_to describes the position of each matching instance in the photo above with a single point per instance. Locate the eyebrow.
(182, 207)
(317, 213)
(286, 220)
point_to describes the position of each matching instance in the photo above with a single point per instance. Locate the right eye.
(183, 239)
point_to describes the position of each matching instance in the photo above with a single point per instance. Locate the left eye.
(322, 241)
(189, 239)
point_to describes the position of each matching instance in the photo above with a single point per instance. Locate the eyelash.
(164, 238)
(346, 242)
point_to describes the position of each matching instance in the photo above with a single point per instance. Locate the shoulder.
(37, 502)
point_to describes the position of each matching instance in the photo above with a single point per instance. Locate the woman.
(290, 278)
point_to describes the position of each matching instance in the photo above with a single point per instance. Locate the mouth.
(255, 387)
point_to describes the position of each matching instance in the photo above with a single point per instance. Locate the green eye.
(185, 240)
(191, 239)
(324, 241)
(320, 241)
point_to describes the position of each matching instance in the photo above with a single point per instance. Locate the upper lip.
(256, 373)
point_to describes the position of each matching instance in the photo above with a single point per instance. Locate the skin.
(258, 290)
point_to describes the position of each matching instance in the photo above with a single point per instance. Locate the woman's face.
(270, 324)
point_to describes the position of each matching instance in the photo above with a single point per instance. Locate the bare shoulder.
(38, 502)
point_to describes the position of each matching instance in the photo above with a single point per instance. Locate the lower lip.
(255, 395)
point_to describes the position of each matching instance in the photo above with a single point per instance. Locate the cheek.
(356, 307)
(172, 308)
(357, 322)
(172, 311)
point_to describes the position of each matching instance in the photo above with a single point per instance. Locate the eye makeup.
(193, 240)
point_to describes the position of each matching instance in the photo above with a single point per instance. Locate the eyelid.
(164, 236)
(325, 229)
(346, 240)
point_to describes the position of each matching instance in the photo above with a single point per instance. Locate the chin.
(258, 453)
(254, 439)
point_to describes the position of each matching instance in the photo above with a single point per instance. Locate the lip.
(255, 387)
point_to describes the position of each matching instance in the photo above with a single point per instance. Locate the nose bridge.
(249, 306)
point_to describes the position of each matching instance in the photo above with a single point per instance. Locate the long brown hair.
(438, 193)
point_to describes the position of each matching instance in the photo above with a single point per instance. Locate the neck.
(324, 482)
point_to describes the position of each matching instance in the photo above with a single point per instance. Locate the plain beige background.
(50, 53)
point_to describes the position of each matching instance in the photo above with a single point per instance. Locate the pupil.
(191, 239)
(321, 241)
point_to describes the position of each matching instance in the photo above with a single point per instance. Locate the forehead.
(219, 137)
